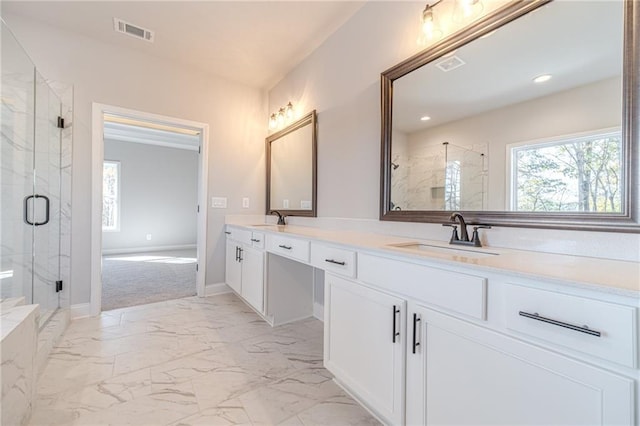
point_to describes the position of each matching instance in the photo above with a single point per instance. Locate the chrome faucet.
(463, 239)
(280, 217)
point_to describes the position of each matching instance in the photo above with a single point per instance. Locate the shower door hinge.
(58, 286)
(60, 122)
(198, 150)
(196, 267)
(198, 208)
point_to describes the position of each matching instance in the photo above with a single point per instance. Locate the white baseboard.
(80, 310)
(218, 288)
(318, 311)
(147, 249)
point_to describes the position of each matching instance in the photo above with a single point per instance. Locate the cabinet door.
(362, 348)
(233, 272)
(253, 277)
(471, 375)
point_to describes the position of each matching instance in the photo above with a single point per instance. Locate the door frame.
(97, 158)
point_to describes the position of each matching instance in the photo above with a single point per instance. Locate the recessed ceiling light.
(425, 118)
(542, 78)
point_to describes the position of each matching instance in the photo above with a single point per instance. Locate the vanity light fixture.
(464, 10)
(429, 26)
(425, 118)
(284, 115)
(542, 78)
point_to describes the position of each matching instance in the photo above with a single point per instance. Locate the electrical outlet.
(285, 204)
(245, 203)
(219, 202)
(305, 205)
(148, 237)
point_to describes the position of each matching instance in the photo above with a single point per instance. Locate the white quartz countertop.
(611, 276)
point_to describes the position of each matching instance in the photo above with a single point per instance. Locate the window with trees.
(111, 196)
(582, 174)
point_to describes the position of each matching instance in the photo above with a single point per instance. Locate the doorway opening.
(148, 220)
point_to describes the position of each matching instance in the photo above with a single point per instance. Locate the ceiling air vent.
(132, 30)
(450, 64)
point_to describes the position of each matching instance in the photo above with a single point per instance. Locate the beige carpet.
(141, 278)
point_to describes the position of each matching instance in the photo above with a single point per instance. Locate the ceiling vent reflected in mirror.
(450, 64)
(132, 30)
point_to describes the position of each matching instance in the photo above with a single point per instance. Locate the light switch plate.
(305, 205)
(285, 204)
(245, 203)
(219, 202)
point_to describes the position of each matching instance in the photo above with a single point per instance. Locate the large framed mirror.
(528, 117)
(292, 168)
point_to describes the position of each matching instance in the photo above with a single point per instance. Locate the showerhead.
(394, 165)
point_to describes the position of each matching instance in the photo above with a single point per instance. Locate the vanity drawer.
(289, 247)
(334, 259)
(601, 329)
(238, 234)
(257, 240)
(454, 291)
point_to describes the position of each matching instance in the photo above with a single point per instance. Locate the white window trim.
(118, 196)
(512, 148)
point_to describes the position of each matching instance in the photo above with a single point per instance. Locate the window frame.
(118, 196)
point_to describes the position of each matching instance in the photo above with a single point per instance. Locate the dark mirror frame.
(627, 221)
(304, 121)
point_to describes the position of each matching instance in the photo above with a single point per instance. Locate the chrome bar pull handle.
(416, 320)
(396, 333)
(335, 262)
(581, 329)
(240, 250)
(285, 247)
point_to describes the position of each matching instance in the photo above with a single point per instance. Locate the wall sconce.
(430, 27)
(284, 115)
(462, 10)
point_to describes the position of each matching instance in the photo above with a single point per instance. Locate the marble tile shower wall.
(420, 181)
(17, 161)
(52, 155)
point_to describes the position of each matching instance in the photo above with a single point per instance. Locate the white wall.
(341, 80)
(107, 74)
(158, 196)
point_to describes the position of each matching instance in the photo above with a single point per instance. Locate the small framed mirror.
(292, 168)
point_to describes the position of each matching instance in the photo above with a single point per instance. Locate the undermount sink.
(456, 251)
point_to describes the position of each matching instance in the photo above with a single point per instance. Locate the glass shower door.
(16, 174)
(46, 204)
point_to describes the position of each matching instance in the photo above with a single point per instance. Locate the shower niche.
(35, 177)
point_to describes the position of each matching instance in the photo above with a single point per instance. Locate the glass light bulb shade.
(467, 9)
(430, 27)
(281, 117)
(273, 122)
(289, 111)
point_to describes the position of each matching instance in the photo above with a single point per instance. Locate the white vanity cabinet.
(364, 335)
(245, 265)
(461, 373)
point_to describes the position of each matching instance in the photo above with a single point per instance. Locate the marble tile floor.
(192, 361)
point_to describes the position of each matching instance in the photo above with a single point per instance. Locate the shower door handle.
(47, 210)
(25, 209)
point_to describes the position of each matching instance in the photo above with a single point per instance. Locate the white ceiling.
(577, 42)
(251, 42)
